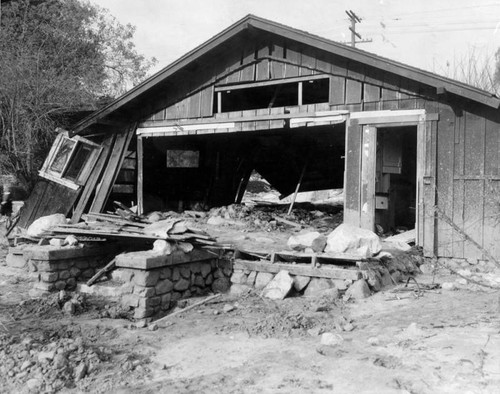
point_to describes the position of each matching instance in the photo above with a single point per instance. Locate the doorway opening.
(396, 179)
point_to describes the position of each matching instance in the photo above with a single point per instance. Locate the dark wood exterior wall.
(462, 163)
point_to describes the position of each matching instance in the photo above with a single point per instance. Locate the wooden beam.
(224, 88)
(255, 118)
(298, 269)
(140, 176)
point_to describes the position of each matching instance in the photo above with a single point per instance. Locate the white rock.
(39, 226)
(46, 356)
(461, 281)
(186, 247)
(447, 286)
(331, 339)
(34, 384)
(279, 287)
(358, 290)
(162, 246)
(465, 272)
(216, 221)
(353, 240)
(300, 282)
(228, 308)
(313, 240)
(262, 279)
(57, 242)
(318, 285)
(71, 240)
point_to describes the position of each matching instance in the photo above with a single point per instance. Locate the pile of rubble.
(47, 363)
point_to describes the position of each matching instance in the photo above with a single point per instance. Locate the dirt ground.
(440, 342)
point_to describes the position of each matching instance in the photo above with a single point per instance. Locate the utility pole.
(355, 19)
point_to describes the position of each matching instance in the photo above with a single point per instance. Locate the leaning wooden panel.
(46, 198)
(112, 168)
(93, 179)
(492, 145)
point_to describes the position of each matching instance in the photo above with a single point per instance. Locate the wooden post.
(299, 99)
(140, 176)
(297, 189)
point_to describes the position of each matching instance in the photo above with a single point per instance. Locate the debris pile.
(48, 362)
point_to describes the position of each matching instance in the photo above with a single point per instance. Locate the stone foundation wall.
(60, 268)
(63, 274)
(153, 292)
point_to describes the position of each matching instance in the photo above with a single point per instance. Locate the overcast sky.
(430, 34)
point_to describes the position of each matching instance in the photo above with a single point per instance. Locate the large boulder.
(279, 287)
(45, 223)
(353, 240)
(312, 240)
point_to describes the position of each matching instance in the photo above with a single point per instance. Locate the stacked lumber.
(111, 226)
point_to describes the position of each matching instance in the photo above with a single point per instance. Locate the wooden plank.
(298, 269)
(277, 68)
(458, 217)
(194, 105)
(492, 151)
(111, 172)
(337, 90)
(473, 218)
(368, 166)
(140, 175)
(223, 88)
(248, 73)
(29, 210)
(293, 56)
(353, 91)
(93, 179)
(474, 144)
(429, 190)
(444, 181)
(352, 175)
(262, 72)
(371, 93)
(308, 61)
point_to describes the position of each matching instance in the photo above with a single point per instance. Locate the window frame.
(59, 176)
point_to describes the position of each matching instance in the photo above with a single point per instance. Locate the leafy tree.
(57, 57)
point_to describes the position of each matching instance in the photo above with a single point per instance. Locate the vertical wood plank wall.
(462, 170)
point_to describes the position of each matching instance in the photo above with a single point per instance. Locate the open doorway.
(396, 179)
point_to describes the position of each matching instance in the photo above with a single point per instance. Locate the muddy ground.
(439, 342)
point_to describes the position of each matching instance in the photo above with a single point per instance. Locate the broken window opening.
(273, 95)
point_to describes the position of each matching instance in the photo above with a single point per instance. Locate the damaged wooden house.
(410, 148)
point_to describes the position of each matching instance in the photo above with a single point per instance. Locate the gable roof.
(252, 21)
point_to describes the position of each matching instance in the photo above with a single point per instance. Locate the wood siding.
(462, 152)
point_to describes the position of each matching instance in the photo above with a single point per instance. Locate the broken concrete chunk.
(300, 282)
(358, 290)
(318, 285)
(45, 223)
(353, 240)
(279, 287)
(262, 279)
(313, 240)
